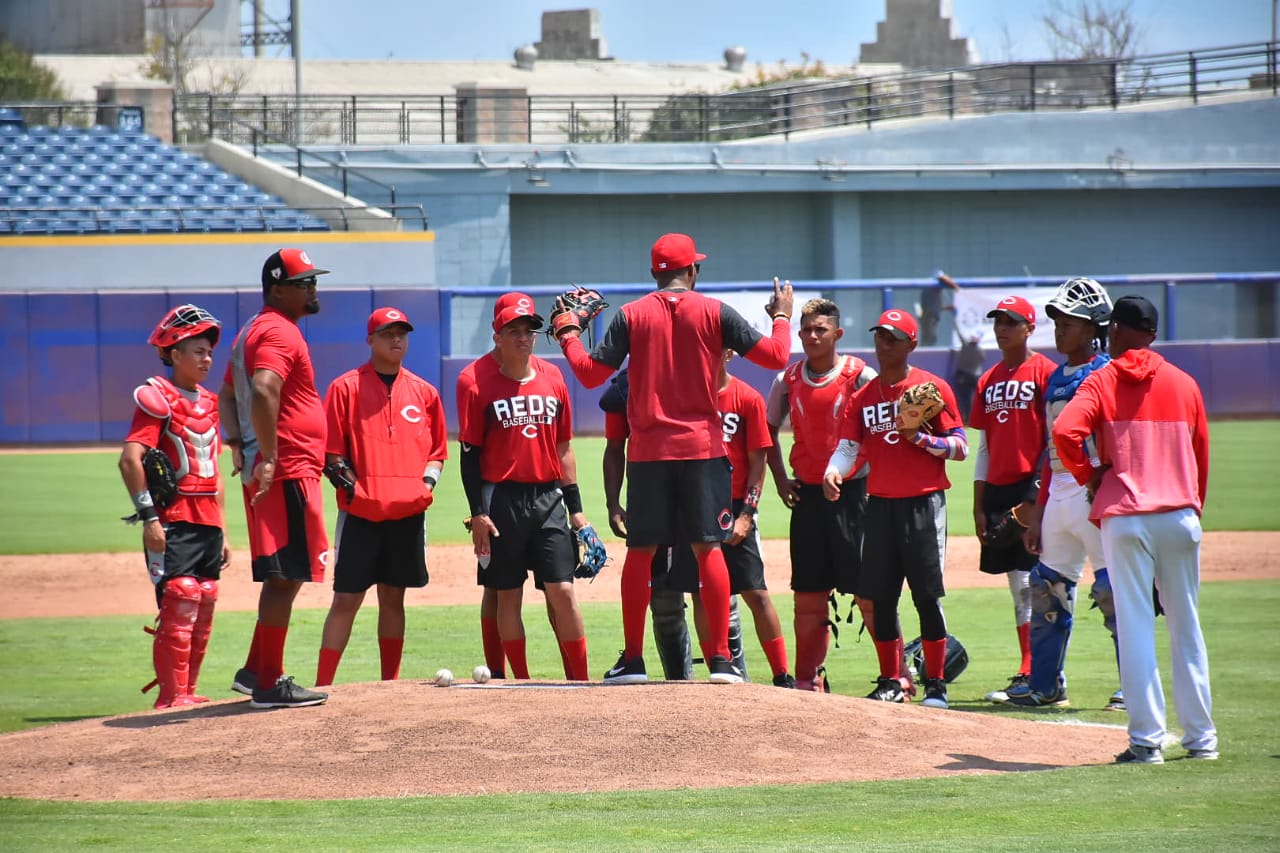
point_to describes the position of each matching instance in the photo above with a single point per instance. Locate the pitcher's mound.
(411, 738)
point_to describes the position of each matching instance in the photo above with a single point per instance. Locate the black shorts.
(904, 539)
(826, 539)
(534, 536)
(191, 550)
(996, 501)
(679, 502)
(388, 552)
(745, 562)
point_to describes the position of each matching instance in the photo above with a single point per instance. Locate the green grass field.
(56, 670)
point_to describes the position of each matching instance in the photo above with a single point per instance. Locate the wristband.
(781, 316)
(431, 476)
(572, 497)
(145, 506)
(751, 505)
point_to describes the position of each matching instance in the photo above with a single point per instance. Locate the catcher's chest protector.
(190, 437)
(821, 404)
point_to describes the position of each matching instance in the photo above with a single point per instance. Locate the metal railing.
(259, 136)
(490, 117)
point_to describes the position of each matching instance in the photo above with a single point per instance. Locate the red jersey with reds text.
(899, 469)
(388, 435)
(1008, 406)
(815, 406)
(199, 461)
(517, 424)
(272, 341)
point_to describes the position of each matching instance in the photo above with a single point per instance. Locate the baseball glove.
(591, 553)
(342, 476)
(1003, 529)
(575, 309)
(162, 481)
(919, 405)
(956, 663)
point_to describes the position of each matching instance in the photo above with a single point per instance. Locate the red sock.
(776, 652)
(635, 601)
(574, 653)
(889, 653)
(713, 572)
(328, 666)
(812, 636)
(390, 650)
(514, 650)
(492, 641)
(1024, 643)
(271, 654)
(935, 658)
(254, 659)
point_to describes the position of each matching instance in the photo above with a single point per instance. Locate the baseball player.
(1008, 408)
(1148, 491)
(274, 420)
(826, 537)
(666, 599)
(184, 541)
(677, 465)
(1058, 528)
(520, 477)
(385, 450)
(905, 525)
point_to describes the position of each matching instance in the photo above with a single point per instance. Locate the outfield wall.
(71, 360)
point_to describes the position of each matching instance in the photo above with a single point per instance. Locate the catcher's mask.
(185, 321)
(1083, 298)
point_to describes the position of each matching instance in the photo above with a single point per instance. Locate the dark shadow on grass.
(963, 761)
(175, 717)
(67, 719)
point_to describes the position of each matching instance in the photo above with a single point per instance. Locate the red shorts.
(286, 531)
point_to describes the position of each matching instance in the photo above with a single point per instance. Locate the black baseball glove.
(162, 481)
(1003, 529)
(343, 476)
(591, 553)
(575, 309)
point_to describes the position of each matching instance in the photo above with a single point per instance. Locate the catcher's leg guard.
(1104, 599)
(813, 637)
(1053, 599)
(736, 653)
(200, 635)
(671, 631)
(171, 650)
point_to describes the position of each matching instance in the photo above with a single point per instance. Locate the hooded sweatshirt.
(1152, 436)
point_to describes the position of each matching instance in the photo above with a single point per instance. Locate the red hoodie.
(1153, 438)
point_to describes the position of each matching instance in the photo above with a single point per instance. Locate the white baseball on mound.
(443, 678)
(480, 674)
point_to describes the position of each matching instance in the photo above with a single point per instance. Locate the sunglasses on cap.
(309, 281)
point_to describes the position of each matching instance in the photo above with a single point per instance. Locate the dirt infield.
(409, 738)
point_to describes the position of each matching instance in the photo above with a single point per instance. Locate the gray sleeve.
(616, 344)
(779, 405)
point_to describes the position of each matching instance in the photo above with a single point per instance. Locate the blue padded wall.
(15, 412)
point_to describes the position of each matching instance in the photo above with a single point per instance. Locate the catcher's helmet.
(957, 658)
(1083, 298)
(185, 321)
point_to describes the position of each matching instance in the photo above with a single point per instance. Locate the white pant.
(1067, 536)
(1163, 548)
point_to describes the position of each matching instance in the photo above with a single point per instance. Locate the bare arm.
(135, 481)
(569, 476)
(229, 415)
(788, 489)
(263, 414)
(615, 466)
(755, 481)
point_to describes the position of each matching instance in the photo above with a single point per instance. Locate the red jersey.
(675, 340)
(816, 407)
(184, 426)
(272, 341)
(1009, 407)
(899, 469)
(745, 428)
(388, 435)
(518, 425)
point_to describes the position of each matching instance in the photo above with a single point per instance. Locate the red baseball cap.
(1017, 308)
(513, 306)
(384, 317)
(674, 252)
(289, 265)
(899, 322)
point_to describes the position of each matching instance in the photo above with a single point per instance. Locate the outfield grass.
(80, 494)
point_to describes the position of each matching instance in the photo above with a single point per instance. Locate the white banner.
(750, 304)
(973, 304)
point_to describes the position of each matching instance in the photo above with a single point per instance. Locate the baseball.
(480, 674)
(443, 678)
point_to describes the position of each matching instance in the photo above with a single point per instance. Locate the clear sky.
(700, 30)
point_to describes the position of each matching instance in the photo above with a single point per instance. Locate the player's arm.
(843, 462)
(981, 463)
(264, 412)
(751, 502)
(229, 415)
(593, 369)
(569, 485)
(771, 352)
(776, 411)
(135, 482)
(1074, 424)
(438, 447)
(1200, 448)
(949, 441)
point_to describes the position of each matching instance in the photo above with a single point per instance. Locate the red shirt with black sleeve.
(517, 424)
(388, 435)
(1008, 406)
(899, 469)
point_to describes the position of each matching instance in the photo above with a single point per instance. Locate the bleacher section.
(71, 180)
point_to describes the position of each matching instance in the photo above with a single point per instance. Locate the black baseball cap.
(1136, 312)
(289, 265)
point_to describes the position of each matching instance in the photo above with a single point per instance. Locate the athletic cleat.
(286, 694)
(246, 681)
(820, 681)
(1017, 683)
(887, 690)
(935, 693)
(1203, 754)
(786, 680)
(1116, 702)
(723, 671)
(1140, 755)
(1036, 699)
(627, 671)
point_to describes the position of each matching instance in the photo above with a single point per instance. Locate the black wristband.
(572, 497)
(148, 513)
(430, 481)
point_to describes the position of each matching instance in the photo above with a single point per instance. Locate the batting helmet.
(185, 321)
(957, 658)
(1083, 298)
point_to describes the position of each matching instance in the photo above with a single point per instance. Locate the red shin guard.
(171, 649)
(200, 635)
(813, 637)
